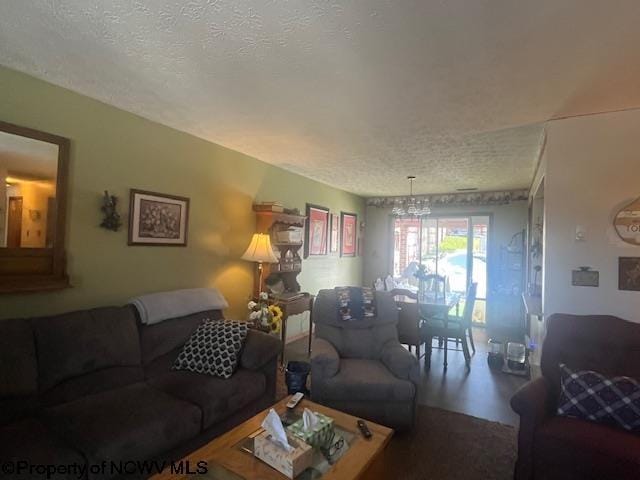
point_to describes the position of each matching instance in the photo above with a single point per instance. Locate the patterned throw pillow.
(213, 348)
(589, 395)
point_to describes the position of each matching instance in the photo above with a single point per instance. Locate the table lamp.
(260, 251)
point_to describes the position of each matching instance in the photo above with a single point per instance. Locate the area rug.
(446, 445)
(451, 446)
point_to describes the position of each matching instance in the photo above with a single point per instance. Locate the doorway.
(14, 223)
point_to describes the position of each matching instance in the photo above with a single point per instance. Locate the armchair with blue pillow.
(357, 363)
(581, 418)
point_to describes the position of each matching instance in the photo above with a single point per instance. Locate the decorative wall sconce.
(35, 215)
(111, 220)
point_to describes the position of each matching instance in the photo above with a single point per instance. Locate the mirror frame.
(43, 269)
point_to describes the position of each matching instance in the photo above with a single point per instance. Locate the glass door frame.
(469, 216)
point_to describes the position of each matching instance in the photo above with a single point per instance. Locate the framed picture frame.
(348, 234)
(157, 219)
(335, 233)
(317, 231)
(629, 273)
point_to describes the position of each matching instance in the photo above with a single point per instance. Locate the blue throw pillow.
(589, 395)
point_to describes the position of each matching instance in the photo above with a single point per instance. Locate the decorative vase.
(265, 318)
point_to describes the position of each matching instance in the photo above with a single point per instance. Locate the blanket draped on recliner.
(355, 303)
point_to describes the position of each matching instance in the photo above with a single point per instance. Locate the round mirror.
(627, 223)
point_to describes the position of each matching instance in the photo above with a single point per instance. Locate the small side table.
(294, 304)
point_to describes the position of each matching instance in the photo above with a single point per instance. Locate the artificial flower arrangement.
(265, 317)
(421, 273)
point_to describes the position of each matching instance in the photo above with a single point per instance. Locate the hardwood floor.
(479, 392)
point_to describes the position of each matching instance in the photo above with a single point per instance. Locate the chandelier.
(410, 206)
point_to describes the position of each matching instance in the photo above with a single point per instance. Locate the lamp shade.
(260, 250)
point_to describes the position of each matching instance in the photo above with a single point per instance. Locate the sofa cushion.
(131, 423)
(589, 395)
(213, 349)
(161, 338)
(217, 398)
(18, 367)
(361, 379)
(80, 342)
(259, 349)
(18, 370)
(589, 449)
(91, 383)
(605, 344)
(29, 441)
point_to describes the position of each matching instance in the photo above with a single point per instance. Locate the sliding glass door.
(453, 246)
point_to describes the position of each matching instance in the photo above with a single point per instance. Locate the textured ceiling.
(357, 93)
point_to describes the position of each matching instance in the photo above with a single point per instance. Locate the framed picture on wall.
(629, 273)
(156, 219)
(348, 234)
(335, 232)
(317, 233)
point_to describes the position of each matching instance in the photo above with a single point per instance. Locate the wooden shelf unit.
(286, 269)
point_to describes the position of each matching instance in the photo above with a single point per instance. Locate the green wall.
(115, 150)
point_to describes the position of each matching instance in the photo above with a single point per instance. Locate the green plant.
(451, 244)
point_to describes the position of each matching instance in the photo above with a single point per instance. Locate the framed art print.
(335, 233)
(629, 273)
(348, 240)
(156, 219)
(317, 231)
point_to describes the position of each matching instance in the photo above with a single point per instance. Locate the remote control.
(366, 433)
(295, 400)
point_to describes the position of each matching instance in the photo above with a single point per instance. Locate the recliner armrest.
(402, 363)
(259, 349)
(532, 401)
(325, 361)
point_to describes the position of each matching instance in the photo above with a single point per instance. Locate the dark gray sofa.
(95, 385)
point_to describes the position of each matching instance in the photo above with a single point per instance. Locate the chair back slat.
(469, 303)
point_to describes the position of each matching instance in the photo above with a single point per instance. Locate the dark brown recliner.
(554, 447)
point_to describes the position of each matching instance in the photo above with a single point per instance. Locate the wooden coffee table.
(364, 460)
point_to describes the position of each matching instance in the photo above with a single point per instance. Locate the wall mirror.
(33, 184)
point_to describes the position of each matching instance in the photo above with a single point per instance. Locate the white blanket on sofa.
(157, 307)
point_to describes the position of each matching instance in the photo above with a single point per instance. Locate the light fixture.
(410, 207)
(260, 251)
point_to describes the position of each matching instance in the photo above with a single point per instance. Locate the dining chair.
(408, 319)
(435, 285)
(455, 328)
(467, 315)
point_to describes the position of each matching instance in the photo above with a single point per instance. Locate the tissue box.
(289, 464)
(319, 436)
